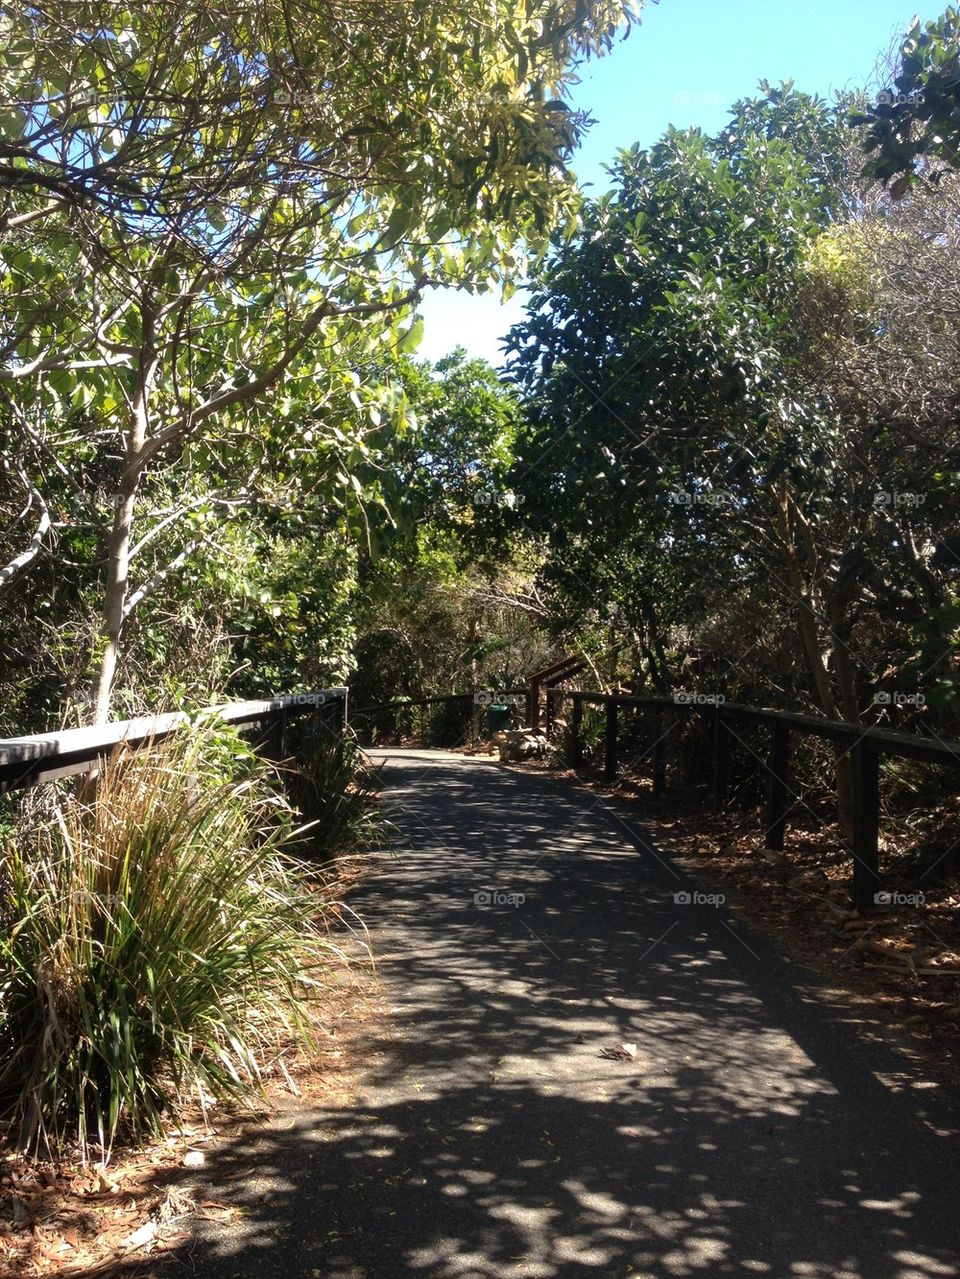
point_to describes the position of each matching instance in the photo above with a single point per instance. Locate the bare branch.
(11, 571)
(160, 577)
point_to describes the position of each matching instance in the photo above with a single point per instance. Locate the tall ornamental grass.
(335, 791)
(156, 939)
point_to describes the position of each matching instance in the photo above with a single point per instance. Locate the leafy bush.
(157, 941)
(592, 728)
(449, 724)
(334, 790)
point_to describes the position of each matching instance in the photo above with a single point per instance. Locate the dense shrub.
(334, 790)
(157, 941)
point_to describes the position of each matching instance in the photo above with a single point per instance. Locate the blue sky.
(684, 65)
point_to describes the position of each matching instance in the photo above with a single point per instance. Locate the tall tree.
(203, 205)
(693, 433)
(913, 127)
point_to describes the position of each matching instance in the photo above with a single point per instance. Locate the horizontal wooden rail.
(884, 740)
(863, 743)
(43, 757)
(403, 703)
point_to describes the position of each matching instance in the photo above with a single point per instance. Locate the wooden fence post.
(610, 742)
(721, 758)
(576, 733)
(775, 820)
(551, 712)
(340, 712)
(866, 824)
(273, 743)
(659, 755)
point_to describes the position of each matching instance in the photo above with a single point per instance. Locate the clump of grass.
(157, 940)
(335, 791)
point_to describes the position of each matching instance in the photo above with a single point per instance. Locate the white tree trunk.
(118, 551)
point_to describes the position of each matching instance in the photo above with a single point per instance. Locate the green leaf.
(413, 336)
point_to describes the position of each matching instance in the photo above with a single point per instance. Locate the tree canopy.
(211, 218)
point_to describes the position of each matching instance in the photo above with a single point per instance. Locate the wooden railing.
(30, 760)
(43, 757)
(865, 746)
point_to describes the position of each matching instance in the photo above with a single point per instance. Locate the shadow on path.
(753, 1133)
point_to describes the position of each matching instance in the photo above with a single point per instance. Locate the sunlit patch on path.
(588, 1068)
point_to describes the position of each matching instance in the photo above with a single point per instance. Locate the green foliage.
(448, 471)
(155, 943)
(724, 452)
(440, 600)
(449, 724)
(916, 124)
(651, 356)
(208, 240)
(335, 790)
(290, 612)
(592, 734)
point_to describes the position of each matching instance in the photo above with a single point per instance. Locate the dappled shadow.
(751, 1131)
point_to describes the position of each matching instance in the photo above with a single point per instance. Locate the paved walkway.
(754, 1132)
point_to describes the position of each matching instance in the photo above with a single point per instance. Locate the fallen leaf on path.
(619, 1052)
(141, 1236)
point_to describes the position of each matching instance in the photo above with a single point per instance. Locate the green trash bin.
(498, 718)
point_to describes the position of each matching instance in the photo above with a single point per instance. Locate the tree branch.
(20, 562)
(160, 577)
(238, 394)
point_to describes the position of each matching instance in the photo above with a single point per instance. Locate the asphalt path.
(588, 1068)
